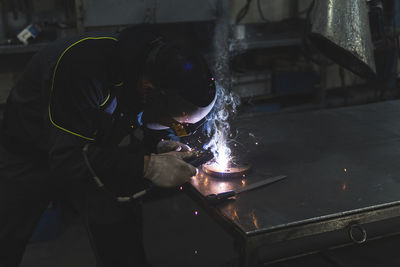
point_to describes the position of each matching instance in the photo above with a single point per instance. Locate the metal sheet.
(340, 29)
(338, 162)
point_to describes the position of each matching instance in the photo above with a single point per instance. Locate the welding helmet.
(183, 90)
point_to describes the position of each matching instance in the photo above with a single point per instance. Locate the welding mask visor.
(173, 111)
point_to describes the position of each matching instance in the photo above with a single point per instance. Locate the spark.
(344, 187)
(180, 188)
(345, 170)
(256, 143)
(196, 212)
(243, 182)
(195, 252)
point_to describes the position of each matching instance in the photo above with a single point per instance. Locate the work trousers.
(26, 189)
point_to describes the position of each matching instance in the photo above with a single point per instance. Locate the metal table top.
(338, 162)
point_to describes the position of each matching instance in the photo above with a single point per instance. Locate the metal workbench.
(343, 168)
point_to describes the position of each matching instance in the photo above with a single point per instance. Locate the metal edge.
(325, 217)
(323, 226)
(216, 213)
(297, 256)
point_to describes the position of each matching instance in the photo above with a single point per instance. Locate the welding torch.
(200, 157)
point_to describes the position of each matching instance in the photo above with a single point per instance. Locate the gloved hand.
(169, 145)
(169, 169)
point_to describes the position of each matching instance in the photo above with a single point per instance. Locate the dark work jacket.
(66, 98)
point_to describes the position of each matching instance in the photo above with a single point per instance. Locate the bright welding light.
(222, 155)
(218, 128)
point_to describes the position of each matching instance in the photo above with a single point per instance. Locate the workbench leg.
(248, 254)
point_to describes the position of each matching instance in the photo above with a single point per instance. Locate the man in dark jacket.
(64, 121)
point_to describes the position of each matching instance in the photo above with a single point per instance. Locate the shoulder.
(87, 53)
(90, 44)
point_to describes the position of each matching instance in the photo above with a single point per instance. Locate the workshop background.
(273, 68)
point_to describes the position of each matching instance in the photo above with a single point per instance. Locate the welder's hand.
(169, 169)
(169, 145)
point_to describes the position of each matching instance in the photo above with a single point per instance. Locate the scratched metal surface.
(337, 161)
(340, 29)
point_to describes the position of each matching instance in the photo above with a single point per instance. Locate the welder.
(63, 125)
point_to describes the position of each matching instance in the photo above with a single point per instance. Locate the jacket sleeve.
(74, 120)
(120, 169)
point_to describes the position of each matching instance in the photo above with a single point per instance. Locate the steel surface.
(260, 183)
(341, 163)
(340, 29)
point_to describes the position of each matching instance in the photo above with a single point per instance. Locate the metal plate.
(232, 171)
(339, 162)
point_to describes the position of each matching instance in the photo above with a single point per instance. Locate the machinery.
(340, 30)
